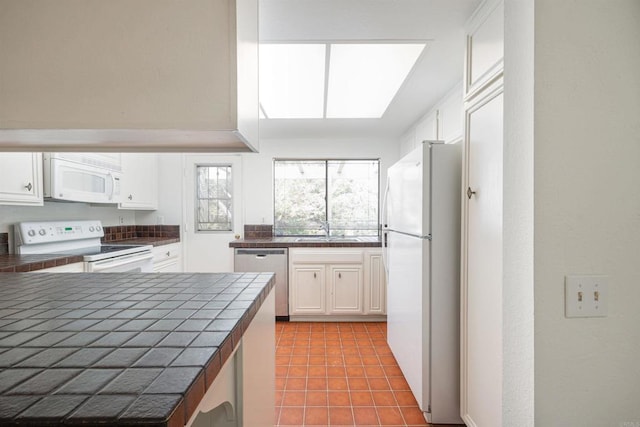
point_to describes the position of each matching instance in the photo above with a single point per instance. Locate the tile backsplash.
(258, 231)
(123, 232)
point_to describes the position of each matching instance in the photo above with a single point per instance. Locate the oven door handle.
(124, 260)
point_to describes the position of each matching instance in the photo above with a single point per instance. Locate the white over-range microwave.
(82, 177)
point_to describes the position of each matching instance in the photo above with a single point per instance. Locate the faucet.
(324, 225)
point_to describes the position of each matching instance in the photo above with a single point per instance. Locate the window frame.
(197, 199)
(326, 161)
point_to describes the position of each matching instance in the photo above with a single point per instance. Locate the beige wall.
(116, 64)
(587, 209)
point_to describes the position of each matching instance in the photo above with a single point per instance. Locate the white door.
(407, 189)
(482, 288)
(213, 209)
(407, 310)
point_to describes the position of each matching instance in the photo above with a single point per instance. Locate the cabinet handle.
(28, 187)
(314, 275)
(339, 275)
(168, 253)
(130, 196)
(470, 193)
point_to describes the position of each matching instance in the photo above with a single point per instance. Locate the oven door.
(134, 263)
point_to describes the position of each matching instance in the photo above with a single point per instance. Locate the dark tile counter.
(154, 241)
(291, 242)
(118, 349)
(12, 263)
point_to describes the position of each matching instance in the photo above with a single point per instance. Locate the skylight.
(292, 80)
(332, 80)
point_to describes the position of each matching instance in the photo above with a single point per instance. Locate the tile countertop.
(13, 263)
(118, 349)
(291, 242)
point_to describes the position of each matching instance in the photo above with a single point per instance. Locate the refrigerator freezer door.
(408, 191)
(408, 311)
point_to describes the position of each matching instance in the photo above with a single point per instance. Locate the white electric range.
(81, 238)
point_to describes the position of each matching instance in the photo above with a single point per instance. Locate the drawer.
(166, 252)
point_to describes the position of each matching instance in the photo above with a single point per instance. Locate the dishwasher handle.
(261, 253)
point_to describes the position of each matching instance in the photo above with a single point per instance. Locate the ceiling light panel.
(364, 78)
(292, 80)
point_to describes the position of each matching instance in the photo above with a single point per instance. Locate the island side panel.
(258, 367)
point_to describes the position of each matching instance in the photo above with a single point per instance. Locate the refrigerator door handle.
(385, 245)
(385, 235)
(384, 205)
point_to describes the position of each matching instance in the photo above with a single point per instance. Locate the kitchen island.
(136, 349)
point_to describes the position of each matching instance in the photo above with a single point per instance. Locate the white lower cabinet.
(346, 289)
(167, 258)
(341, 282)
(308, 293)
(375, 295)
(21, 179)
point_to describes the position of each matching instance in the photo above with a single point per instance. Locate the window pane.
(214, 203)
(299, 197)
(353, 197)
(292, 80)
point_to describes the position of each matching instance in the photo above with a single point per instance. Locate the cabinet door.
(307, 289)
(346, 289)
(427, 129)
(375, 289)
(481, 326)
(139, 181)
(21, 179)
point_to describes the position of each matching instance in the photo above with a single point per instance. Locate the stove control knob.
(31, 232)
(42, 231)
(91, 229)
(98, 228)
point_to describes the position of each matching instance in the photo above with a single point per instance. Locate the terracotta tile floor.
(340, 374)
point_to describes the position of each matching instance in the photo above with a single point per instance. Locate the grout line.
(314, 332)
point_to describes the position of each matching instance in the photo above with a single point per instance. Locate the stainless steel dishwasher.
(268, 260)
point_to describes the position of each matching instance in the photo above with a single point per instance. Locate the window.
(213, 198)
(344, 193)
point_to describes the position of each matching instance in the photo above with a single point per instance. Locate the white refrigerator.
(422, 256)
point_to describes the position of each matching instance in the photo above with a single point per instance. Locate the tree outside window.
(343, 192)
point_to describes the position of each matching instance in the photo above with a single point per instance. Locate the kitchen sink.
(328, 239)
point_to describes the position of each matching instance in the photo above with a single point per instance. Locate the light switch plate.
(586, 296)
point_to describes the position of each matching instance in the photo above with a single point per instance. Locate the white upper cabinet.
(21, 179)
(485, 47)
(160, 75)
(139, 187)
(450, 117)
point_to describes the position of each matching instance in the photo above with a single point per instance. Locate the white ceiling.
(436, 72)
